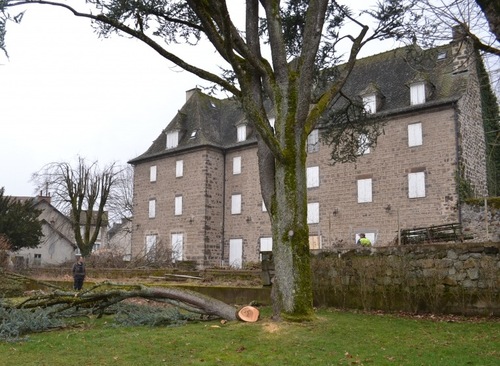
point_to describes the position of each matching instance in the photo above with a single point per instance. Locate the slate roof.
(392, 72)
(202, 121)
(389, 73)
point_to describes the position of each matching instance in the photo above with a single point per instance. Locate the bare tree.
(275, 57)
(81, 192)
(119, 204)
(436, 18)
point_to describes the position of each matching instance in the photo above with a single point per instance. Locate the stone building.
(197, 193)
(58, 244)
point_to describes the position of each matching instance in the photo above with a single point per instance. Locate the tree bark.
(101, 296)
(491, 10)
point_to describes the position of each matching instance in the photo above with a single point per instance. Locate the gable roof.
(202, 121)
(208, 121)
(392, 72)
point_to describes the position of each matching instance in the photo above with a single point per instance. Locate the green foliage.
(349, 131)
(19, 222)
(491, 122)
(465, 188)
(16, 323)
(135, 315)
(492, 202)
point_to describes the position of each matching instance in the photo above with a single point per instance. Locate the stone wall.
(480, 222)
(456, 278)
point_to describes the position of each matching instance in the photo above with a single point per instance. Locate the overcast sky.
(66, 93)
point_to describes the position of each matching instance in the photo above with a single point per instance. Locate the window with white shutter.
(179, 168)
(152, 209)
(417, 93)
(364, 190)
(414, 134)
(312, 175)
(236, 204)
(178, 205)
(172, 139)
(152, 173)
(237, 165)
(313, 213)
(416, 185)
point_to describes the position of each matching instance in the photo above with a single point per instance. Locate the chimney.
(190, 93)
(45, 198)
(461, 49)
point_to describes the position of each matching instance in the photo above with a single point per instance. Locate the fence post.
(486, 218)
(399, 229)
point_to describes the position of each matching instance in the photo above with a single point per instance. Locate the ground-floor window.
(150, 247)
(177, 246)
(37, 260)
(236, 253)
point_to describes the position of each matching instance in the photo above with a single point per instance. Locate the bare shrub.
(4, 252)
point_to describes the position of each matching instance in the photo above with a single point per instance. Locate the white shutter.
(172, 139)
(415, 134)
(179, 168)
(150, 248)
(266, 244)
(236, 204)
(236, 253)
(242, 133)
(313, 213)
(177, 246)
(237, 165)
(417, 93)
(312, 175)
(152, 173)
(152, 209)
(178, 205)
(364, 190)
(416, 185)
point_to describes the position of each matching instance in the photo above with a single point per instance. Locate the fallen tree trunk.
(103, 295)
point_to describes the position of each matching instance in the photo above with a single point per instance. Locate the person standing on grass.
(78, 273)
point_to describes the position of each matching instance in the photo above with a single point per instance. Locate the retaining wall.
(440, 278)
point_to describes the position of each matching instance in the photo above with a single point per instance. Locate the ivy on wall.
(491, 123)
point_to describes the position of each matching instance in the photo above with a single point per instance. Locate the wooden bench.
(432, 234)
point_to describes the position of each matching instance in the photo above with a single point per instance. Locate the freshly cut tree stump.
(248, 314)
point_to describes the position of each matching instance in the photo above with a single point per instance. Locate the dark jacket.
(79, 269)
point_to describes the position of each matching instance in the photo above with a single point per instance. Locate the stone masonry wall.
(471, 134)
(480, 223)
(454, 278)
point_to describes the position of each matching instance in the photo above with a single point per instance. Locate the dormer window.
(441, 55)
(172, 139)
(241, 133)
(370, 103)
(372, 98)
(417, 93)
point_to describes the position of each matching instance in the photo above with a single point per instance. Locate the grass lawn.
(335, 338)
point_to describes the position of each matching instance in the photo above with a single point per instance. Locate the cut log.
(248, 314)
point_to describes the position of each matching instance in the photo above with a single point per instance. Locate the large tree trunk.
(101, 296)
(491, 10)
(293, 283)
